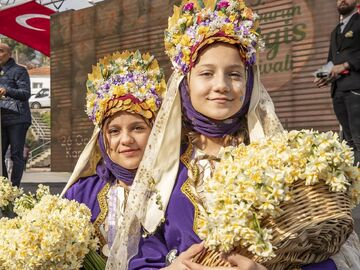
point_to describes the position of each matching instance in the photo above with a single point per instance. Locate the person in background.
(344, 53)
(15, 111)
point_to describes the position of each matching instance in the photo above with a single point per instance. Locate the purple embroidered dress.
(103, 195)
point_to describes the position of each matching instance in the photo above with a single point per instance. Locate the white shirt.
(346, 20)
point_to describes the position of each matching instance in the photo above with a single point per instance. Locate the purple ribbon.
(126, 176)
(194, 120)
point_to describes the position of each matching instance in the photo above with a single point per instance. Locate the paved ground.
(57, 181)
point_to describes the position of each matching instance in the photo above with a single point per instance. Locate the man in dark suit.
(344, 53)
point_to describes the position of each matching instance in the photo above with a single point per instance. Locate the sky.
(68, 4)
(73, 4)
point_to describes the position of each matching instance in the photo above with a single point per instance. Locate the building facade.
(296, 32)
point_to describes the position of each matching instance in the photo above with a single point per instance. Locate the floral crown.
(196, 23)
(126, 81)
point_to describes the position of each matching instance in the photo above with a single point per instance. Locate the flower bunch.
(125, 81)
(197, 23)
(27, 201)
(55, 234)
(258, 178)
(8, 193)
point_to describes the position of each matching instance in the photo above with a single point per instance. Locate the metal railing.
(39, 130)
(38, 151)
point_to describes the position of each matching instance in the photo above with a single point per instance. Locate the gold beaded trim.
(186, 187)
(101, 197)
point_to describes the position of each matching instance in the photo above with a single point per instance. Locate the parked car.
(41, 99)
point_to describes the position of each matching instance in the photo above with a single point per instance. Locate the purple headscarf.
(209, 127)
(119, 172)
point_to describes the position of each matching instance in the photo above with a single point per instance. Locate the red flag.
(28, 23)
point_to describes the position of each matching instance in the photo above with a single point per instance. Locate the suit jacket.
(346, 50)
(15, 79)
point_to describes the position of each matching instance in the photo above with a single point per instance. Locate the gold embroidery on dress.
(101, 197)
(186, 186)
(193, 186)
(186, 190)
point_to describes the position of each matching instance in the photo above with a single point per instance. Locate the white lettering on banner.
(68, 142)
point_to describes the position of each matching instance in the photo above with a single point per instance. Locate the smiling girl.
(214, 99)
(125, 92)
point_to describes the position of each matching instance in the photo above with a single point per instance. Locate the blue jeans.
(14, 136)
(347, 110)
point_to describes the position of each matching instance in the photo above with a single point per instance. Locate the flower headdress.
(126, 81)
(196, 23)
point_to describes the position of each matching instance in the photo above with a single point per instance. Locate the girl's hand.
(185, 256)
(239, 263)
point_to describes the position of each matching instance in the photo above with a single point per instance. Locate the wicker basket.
(312, 227)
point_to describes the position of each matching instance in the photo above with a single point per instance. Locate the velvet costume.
(93, 190)
(86, 189)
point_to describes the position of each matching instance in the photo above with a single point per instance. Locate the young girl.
(124, 93)
(212, 45)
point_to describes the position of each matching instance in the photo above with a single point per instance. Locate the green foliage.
(19, 47)
(93, 261)
(46, 117)
(24, 54)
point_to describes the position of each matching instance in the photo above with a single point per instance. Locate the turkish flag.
(28, 23)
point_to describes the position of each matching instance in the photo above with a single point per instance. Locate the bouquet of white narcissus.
(49, 233)
(8, 193)
(258, 177)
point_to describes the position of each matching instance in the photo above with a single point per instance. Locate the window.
(43, 92)
(37, 85)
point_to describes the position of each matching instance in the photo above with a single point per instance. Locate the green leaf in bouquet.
(94, 261)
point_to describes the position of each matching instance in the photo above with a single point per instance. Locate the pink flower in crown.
(188, 7)
(222, 4)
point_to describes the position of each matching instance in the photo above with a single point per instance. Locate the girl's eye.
(113, 131)
(236, 75)
(139, 128)
(206, 73)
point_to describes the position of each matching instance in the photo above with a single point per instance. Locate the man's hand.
(338, 69)
(2, 91)
(321, 82)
